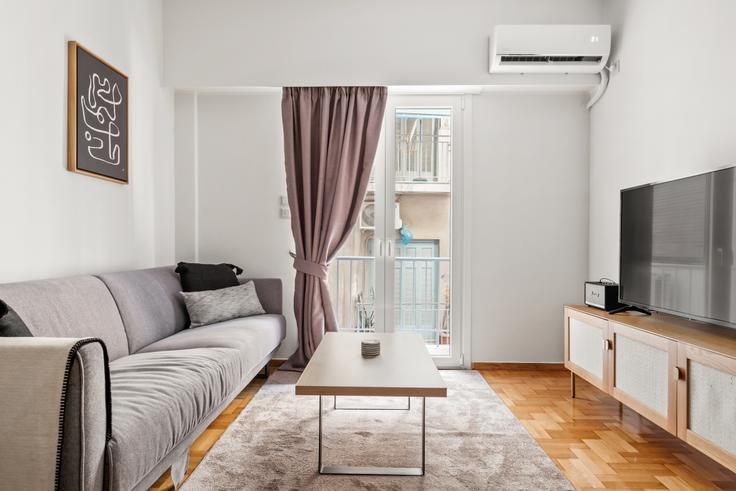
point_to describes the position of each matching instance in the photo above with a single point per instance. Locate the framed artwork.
(97, 117)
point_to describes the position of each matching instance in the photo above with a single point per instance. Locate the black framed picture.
(97, 117)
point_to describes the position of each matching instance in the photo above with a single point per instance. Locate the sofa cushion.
(76, 307)
(254, 337)
(212, 306)
(150, 304)
(158, 399)
(269, 293)
(197, 277)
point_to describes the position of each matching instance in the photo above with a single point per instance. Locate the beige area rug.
(473, 442)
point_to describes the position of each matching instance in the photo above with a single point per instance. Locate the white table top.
(404, 368)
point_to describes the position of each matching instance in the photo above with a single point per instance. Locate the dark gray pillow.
(196, 277)
(11, 325)
(210, 306)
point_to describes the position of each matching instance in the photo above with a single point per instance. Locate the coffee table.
(403, 369)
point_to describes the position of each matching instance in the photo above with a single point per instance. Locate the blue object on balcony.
(405, 234)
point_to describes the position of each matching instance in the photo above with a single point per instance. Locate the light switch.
(285, 212)
(284, 201)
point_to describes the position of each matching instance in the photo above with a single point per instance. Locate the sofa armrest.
(86, 425)
(270, 293)
(83, 409)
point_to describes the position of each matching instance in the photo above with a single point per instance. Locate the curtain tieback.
(310, 267)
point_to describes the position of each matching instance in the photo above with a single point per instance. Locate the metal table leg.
(372, 471)
(407, 408)
(424, 433)
(319, 454)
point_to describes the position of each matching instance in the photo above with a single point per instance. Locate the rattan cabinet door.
(706, 404)
(643, 374)
(586, 337)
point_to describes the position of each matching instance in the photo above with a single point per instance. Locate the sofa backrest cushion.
(269, 293)
(79, 306)
(150, 304)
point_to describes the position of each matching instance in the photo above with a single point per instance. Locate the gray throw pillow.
(210, 306)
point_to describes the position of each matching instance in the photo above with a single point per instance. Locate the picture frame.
(97, 117)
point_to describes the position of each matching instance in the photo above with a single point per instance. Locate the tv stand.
(630, 308)
(677, 373)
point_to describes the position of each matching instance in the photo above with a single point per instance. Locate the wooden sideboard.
(678, 373)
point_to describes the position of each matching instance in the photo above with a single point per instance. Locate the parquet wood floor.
(597, 443)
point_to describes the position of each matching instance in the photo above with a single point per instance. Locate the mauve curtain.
(330, 139)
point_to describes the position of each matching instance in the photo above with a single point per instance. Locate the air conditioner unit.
(550, 48)
(367, 219)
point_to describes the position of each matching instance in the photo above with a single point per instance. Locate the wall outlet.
(285, 213)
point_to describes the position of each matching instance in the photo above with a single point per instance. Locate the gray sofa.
(166, 382)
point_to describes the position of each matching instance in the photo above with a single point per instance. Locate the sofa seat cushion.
(158, 399)
(254, 337)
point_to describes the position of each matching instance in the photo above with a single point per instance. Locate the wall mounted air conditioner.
(550, 48)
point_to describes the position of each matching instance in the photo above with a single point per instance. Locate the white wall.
(55, 222)
(530, 222)
(241, 43)
(529, 211)
(669, 113)
(240, 180)
(185, 154)
(536, 231)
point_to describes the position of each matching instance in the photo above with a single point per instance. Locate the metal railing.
(429, 160)
(421, 295)
(423, 145)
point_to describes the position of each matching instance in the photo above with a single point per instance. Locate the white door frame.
(460, 247)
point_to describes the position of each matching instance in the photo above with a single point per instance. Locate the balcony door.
(397, 271)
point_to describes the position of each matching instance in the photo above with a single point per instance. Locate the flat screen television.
(677, 247)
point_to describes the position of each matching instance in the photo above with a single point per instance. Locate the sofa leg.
(265, 372)
(179, 469)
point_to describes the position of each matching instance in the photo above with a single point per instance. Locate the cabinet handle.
(676, 373)
(607, 345)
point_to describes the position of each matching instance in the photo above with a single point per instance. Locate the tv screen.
(677, 246)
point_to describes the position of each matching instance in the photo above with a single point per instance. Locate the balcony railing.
(425, 162)
(421, 295)
(423, 145)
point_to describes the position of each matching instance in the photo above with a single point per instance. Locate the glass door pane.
(352, 275)
(420, 293)
(421, 170)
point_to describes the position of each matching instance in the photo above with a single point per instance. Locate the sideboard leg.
(572, 384)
